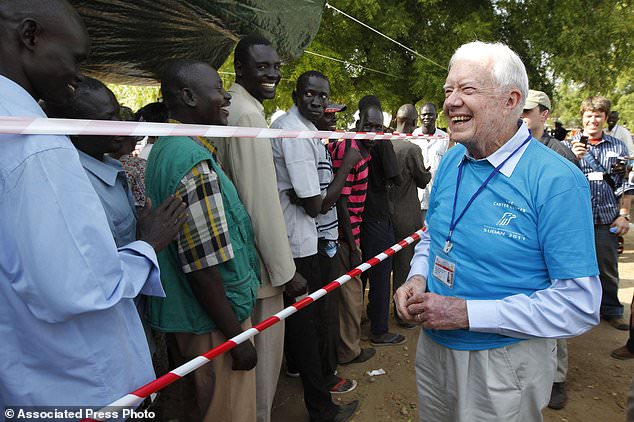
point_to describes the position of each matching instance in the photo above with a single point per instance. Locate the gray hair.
(508, 69)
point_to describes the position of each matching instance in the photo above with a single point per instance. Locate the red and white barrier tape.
(32, 126)
(136, 397)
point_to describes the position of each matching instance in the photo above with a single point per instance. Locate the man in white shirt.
(619, 132)
(433, 148)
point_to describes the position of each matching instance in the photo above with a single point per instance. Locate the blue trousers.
(376, 236)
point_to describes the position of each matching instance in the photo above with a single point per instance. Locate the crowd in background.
(115, 255)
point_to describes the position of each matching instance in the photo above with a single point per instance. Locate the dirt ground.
(597, 384)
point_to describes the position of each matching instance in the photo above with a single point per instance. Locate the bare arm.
(209, 289)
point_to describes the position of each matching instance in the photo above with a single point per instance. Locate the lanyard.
(454, 221)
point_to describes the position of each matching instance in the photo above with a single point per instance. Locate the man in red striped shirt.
(349, 210)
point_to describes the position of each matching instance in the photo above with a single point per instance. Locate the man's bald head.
(42, 43)
(406, 118)
(193, 93)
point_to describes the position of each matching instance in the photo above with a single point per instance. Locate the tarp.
(131, 40)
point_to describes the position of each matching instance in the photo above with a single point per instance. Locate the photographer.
(598, 156)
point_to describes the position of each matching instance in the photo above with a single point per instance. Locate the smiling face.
(261, 72)
(97, 104)
(593, 122)
(53, 55)
(212, 99)
(313, 98)
(478, 112)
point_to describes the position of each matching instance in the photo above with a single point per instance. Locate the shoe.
(558, 396)
(346, 411)
(388, 339)
(622, 353)
(292, 374)
(619, 324)
(365, 354)
(344, 385)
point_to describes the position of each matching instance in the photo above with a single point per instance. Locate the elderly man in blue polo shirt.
(507, 264)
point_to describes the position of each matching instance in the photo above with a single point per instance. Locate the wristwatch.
(626, 216)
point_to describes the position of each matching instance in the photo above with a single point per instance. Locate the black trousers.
(302, 347)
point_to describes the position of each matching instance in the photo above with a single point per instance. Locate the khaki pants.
(562, 360)
(505, 384)
(270, 347)
(220, 394)
(350, 309)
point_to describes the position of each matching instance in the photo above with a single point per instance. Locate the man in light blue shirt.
(71, 333)
(494, 289)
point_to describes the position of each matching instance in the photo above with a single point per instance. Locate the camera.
(584, 140)
(620, 166)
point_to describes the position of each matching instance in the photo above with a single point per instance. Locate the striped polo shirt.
(356, 185)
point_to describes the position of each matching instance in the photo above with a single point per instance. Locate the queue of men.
(231, 230)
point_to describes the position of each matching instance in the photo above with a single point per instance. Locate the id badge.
(595, 176)
(444, 269)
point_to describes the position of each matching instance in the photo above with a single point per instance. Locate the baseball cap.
(334, 108)
(536, 98)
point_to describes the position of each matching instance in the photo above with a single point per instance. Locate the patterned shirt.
(327, 225)
(135, 171)
(356, 185)
(605, 202)
(203, 240)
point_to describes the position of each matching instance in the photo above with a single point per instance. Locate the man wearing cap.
(536, 112)
(329, 120)
(434, 146)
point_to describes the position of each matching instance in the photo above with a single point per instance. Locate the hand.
(620, 167)
(244, 356)
(351, 157)
(160, 226)
(355, 258)
(438, 312)
(579, 149)
(411, 288)
(293, 198)
(296, 286)
(622, 226)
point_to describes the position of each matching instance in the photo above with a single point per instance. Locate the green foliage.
(571, 49)
(134, 96)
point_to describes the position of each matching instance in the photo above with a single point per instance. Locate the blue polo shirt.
(527, 227)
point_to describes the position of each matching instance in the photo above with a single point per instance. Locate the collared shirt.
(605, 201)
(296, 169)
(524, 252)
(619, 132)
(433, 150)
(203, 241)
(71, 333)
(249, 164)
(109, 181)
